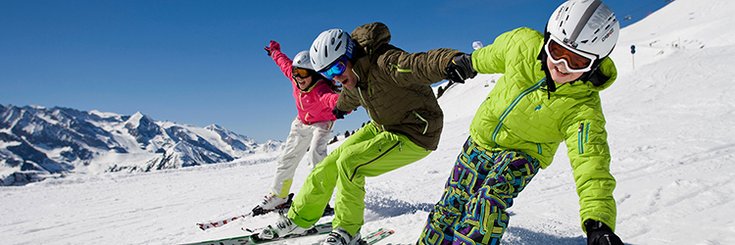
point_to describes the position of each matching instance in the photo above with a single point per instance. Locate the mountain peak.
(214, 127)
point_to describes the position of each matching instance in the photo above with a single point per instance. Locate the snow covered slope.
(670, 124)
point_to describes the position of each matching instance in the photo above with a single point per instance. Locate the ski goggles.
(338, 67)
(300, 72)
(574, 60)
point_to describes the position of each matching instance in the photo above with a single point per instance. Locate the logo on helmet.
(607, 35)
(350, 46)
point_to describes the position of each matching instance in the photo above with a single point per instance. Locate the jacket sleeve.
(416, 68)
(493, 58)
(329, 98)
(589, 154)
(283, 62)
(348, 100)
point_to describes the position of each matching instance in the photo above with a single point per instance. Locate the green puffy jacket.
(518, 114)
(394, 86)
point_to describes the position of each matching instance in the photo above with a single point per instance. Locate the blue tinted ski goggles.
(338, 67)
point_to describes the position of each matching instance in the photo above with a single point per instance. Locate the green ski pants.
(369, 152)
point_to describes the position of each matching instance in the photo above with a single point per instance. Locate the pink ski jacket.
(315, 105)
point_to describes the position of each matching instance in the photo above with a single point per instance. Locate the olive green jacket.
(519, 114)
(394, 86)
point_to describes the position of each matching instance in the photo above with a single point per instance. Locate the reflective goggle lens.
(300, 72)
(574, 61)
(336, 69)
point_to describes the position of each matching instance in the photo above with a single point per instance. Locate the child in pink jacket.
(315, 97)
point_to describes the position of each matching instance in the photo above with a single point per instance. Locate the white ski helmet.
(301, 60)
(329, 46)
(586, 25)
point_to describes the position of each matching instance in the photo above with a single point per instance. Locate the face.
(560, 74)
(348, 79)
(303, 83)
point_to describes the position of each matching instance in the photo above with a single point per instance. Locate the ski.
(319, 229)
(217, 223)
(328, 211)
(375, 236)
(283, 208)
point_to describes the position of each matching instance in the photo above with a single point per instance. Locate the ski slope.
(670, 124)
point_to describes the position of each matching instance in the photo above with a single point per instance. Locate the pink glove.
(272, 46)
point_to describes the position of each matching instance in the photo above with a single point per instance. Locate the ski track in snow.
(670, 127)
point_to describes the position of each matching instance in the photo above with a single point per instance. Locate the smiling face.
(560, 74)
(303, 83)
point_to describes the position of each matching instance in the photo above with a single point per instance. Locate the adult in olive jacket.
(548, 94)
(394, 88)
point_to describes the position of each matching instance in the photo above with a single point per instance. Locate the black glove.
(338, 113)
(272, 46)
(599, 234)
(460, 68)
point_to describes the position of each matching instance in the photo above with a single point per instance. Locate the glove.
(460, 68)
(599, 234)
(339, 114)
(272, 46)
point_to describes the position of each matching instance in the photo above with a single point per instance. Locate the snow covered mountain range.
(37, 142)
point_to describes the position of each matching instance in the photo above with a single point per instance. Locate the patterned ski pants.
(481, 187)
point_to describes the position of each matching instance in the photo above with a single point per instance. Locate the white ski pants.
(301, 138)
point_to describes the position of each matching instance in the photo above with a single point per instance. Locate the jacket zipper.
(359, 91)
(540, 150)
(580, 138)
(513, 105)
(374, 159)
(426, 128)
(301, 102)
(301, 106)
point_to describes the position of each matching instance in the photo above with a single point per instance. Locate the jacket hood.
(371, 36)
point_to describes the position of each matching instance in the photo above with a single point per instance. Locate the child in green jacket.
(549, 94)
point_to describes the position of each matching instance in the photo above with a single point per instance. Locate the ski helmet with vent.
(585, 25)
(301, 60)
(329, 46)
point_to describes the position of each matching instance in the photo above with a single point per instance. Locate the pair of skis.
(319, 229)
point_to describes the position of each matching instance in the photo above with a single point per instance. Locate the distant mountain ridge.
(36, 142)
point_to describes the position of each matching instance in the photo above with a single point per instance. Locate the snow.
(108, 159)
(670, 126)
(4, 145)
(134, 120)
(104, 114)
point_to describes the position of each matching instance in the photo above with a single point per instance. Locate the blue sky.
(202, 62)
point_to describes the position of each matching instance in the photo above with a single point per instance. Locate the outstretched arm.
(412, 68)
(283, 62)
(589, 154)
